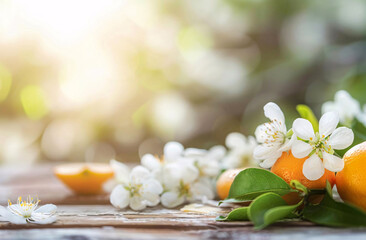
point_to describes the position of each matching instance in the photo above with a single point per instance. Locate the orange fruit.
(351, 181)
(225, 180)
(290, 168)
(84, 178)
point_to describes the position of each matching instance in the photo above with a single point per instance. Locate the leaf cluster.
(264, 190)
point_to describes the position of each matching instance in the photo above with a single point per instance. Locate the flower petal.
(120, 197)
(171, 199)
(301, 149)
(348, 107)
(251, 143)
(235, 140)
(332, 163)
(121, 171)
(15, 219)
(313, 168)
(172, 151)
(48, 209)
(328, 123)
(216, 152)
(303, 129)
(341, 138)
(263, 152)
(40, 218)
(4, 211)
(48, 220)
(109, 185)
(151, 186)
(171, 175)
(151, 199)
(268, 163)
(274, 112)
(138, 174)
(260, 133)
(288, 143)
(150, 162)
(8, 216)
(200, 190)
(15, 209)
(189, 173)
(329, 107)
(137, 203)
(209, 167)
(195, 152)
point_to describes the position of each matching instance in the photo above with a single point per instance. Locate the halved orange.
(84, 178)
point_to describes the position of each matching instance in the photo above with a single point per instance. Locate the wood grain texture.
(92, 217)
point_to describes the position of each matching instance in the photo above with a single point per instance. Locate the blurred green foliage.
(145, 73)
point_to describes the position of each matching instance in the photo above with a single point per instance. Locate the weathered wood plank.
(92, 217)
(275, 233)
(73, 216)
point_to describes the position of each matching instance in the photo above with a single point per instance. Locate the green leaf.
(269, 208)
(278, 213)
(239, 214)
(335, 214)
(253, 182)
(359, 128)
(307, 113)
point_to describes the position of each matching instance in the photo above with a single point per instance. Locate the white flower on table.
(320, 146)
(206, 161)
(272, 136)
(240, 152)
(140, 191)
(173, 152)
(182, 183)
(345, 105)
(26, 212)
(121, 173)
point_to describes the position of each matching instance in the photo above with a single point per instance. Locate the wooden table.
(82, 217)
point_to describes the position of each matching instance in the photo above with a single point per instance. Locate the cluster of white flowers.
(302, 141)
(185, 175)
(180, 175)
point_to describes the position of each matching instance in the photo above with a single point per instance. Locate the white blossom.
(272, 136)
(208, 162)
(26, 212)
(173, 152)
(142, 190)
(240, 152)
(182, 183)
(345, 105)
(120, 172)
(320, 146)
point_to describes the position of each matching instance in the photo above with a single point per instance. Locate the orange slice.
(84, 178)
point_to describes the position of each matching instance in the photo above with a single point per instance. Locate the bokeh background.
(95, 80)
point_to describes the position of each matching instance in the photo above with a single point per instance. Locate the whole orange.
(290, 168)
(351, 181)
(225, 180)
